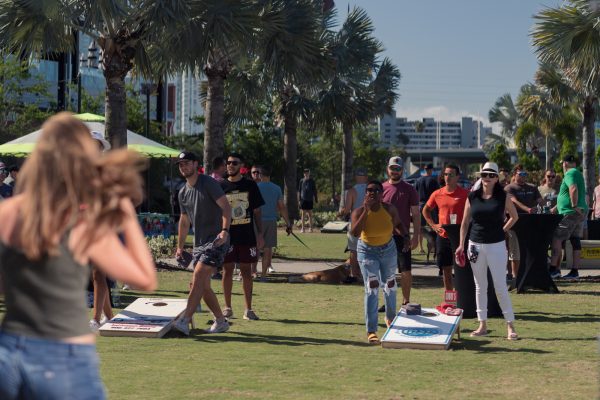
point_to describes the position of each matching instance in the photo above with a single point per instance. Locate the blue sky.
(456, 56)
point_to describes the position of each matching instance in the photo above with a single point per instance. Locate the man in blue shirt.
(273, 198)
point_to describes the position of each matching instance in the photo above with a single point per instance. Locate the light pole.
(91, 62)
(147, 88)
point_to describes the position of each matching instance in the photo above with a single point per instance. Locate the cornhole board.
(431, 330)
(145, 317)
(590, 254)
(335, 227)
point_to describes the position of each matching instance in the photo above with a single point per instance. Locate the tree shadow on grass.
(538, 316)
(581, 292)
(276, 340)
(296, 321)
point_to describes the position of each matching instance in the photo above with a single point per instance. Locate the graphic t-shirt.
(401, 195)
(563, 204)
(448, 203)
(526, 194)
(271, 194)
(199, 203)
(244, 197)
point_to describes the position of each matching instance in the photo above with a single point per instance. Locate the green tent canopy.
(23, 146)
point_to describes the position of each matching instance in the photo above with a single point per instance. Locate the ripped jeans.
(378, 267)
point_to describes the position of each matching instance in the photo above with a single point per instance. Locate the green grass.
(310, 343)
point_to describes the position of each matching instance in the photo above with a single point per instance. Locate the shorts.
(352, 242)
(306, 205)
(514, 250)
(570, 226)
(210, 255)
(241, 253)
(270, 233)
(443, 251)
(404, 258)
(36, 368)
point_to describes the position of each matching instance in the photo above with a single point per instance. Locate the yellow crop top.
(378, 228)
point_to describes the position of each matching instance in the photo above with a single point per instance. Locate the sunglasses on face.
(551, 176)
(255, 172)
(450, 174)
(522, 174)
(373, 190)
(395, 169)
(233, 162)
(489, 175)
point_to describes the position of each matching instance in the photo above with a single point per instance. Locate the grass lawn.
(311, 343)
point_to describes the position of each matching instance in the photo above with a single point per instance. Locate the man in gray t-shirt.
(205, 207)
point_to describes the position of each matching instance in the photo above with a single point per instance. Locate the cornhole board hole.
(431, 330)
(145, 317)
(590, 254)
(335, 227)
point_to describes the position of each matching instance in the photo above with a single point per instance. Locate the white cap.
(99, 137)
(490, 167)
(396, 161)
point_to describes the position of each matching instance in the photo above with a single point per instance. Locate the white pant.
(495, 256)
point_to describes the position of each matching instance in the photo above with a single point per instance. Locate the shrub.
(161, 246)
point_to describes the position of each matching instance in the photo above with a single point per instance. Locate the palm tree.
(506, 114)
(568, 37)
(535, 105)
(126, 31)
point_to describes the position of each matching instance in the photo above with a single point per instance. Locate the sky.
(456, 57)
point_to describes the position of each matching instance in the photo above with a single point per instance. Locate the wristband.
(225, 229)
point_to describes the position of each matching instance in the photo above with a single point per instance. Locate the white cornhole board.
(589, 256)
(431, 330)
(145, 317)
(335, 227)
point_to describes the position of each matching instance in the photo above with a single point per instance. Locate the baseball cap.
(429, 166)
(360, 171)
(490, 167)
(570, 158)
(100, 137)
(186, 155)
(396, 161)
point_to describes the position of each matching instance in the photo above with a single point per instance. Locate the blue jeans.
(378, 267)
(34, 368)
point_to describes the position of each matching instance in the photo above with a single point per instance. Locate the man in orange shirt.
(450, 202)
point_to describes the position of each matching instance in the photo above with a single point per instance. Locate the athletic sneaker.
(94, 326)
(555, 273)
(573, 274)
(182, 325)
(126, 287)
(228, 312)
(250, 315)
(103, 319)
(218, 327)
(381, 309)
(270, 270)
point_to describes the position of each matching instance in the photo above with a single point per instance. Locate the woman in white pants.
(486, 208)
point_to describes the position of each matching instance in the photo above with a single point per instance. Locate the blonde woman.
(70, 204)
(486, 207)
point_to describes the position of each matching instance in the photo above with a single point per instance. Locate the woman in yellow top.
(375, 223)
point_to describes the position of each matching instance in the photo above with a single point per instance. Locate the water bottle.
(538, 209)
(547, 207)
(115, 296)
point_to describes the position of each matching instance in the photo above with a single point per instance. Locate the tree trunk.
(348, 157)
(290, 149)
(115, 110)
(547, 152)
(589, 147)
(214, 129)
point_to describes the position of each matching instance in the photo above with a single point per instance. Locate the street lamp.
(148, 88)
(91, 62)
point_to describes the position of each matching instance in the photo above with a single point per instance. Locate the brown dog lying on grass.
(335, 276)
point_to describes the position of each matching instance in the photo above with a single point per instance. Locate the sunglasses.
(255, 172)
(450, 175)
(396, 169)
(373, 190)
(233, 162)
(551, 176)
(522, 174)
(489, 175)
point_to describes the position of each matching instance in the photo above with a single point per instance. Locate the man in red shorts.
(245, 200)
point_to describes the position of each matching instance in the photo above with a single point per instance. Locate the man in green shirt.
(572, 206)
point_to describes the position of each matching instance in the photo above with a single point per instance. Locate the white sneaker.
(103, 320)
(218, 327)
(182, 325)
(126, 287)
(270, 270)
(94, 326)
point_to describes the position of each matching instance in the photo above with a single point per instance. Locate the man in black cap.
(572, 206)
(425, 186)
(203, 205)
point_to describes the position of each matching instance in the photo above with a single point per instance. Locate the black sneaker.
(554, 273)
(382, 308)
(573, 274)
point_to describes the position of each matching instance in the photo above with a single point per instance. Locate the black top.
(45, 298)
(308, 189)
(425, 186)
(488, 218)
(244, 197)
